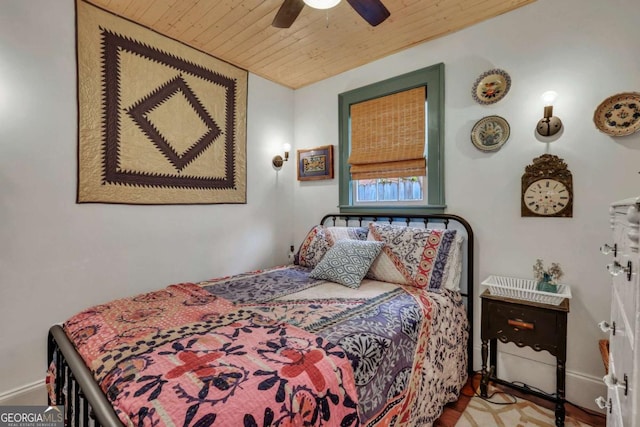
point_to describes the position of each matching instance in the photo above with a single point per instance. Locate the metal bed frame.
(86, 405)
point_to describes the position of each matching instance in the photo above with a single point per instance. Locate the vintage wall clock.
(547, 188)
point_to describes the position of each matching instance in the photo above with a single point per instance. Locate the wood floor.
(454, 410)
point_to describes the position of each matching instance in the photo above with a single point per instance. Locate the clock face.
(546, 197)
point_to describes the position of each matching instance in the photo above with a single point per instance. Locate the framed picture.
(315, 163)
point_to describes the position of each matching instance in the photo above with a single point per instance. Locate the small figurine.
(547, 279)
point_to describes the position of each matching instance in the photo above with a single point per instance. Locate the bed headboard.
(446, 221)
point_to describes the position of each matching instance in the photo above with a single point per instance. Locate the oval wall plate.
(619, 115)
(491, 86)
(490, 133)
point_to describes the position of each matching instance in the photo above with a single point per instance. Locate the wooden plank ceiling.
(318, 45)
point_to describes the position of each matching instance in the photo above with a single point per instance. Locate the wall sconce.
(277, 160)
(549, 125)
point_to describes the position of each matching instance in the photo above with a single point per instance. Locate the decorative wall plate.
(491, 86)
(490, 133)
(619, 114)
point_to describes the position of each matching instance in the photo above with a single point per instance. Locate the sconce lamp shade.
(321, 4)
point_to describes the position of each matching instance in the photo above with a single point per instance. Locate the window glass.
(389, 190)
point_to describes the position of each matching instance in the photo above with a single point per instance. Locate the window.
(404, 191)
(373, 193)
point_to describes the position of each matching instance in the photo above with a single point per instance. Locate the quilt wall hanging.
(158, 122)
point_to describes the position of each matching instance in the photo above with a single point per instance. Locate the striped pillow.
(412, 256)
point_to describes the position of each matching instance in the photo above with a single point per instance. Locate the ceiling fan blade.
(373, 11)
(287, 13)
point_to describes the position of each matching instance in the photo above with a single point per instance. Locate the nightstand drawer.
(522, 325)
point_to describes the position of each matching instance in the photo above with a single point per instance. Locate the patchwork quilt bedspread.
(277, 348)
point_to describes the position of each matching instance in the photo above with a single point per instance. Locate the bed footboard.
(75, 389)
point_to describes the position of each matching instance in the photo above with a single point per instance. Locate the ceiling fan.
(373, 11)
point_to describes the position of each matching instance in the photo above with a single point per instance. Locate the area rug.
(481, 413)
(158, 121)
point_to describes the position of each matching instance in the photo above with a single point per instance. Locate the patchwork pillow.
(347, 262)
(320, 239)
(412, 256)
(453, 271)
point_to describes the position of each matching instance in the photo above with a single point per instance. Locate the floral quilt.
(276, 348)
(182, 356)
(407, 346)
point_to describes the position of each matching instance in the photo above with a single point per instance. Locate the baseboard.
(585, 389)
(539, 370)
(29, 394)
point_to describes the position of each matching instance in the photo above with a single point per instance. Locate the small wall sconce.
(278, 160)
(549, 125)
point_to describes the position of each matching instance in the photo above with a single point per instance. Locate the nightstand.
(524, 323)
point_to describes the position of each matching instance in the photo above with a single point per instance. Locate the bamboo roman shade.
(388, 136)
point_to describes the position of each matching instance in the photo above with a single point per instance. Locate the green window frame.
(433, 78)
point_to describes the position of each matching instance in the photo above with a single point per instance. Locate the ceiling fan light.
(321, 4)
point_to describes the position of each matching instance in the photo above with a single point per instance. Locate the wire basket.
(525, 289)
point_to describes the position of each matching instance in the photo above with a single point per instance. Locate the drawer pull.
(517, 323)
(617, 269)
(612, 382)
(606, 327)
(607, 249)
(603, 404)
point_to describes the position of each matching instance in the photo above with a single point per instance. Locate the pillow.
(453, 271)
(412, 256)
(347, 262)
(320, 239)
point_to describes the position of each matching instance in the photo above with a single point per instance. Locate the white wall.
(58, 257)
(586, 50)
